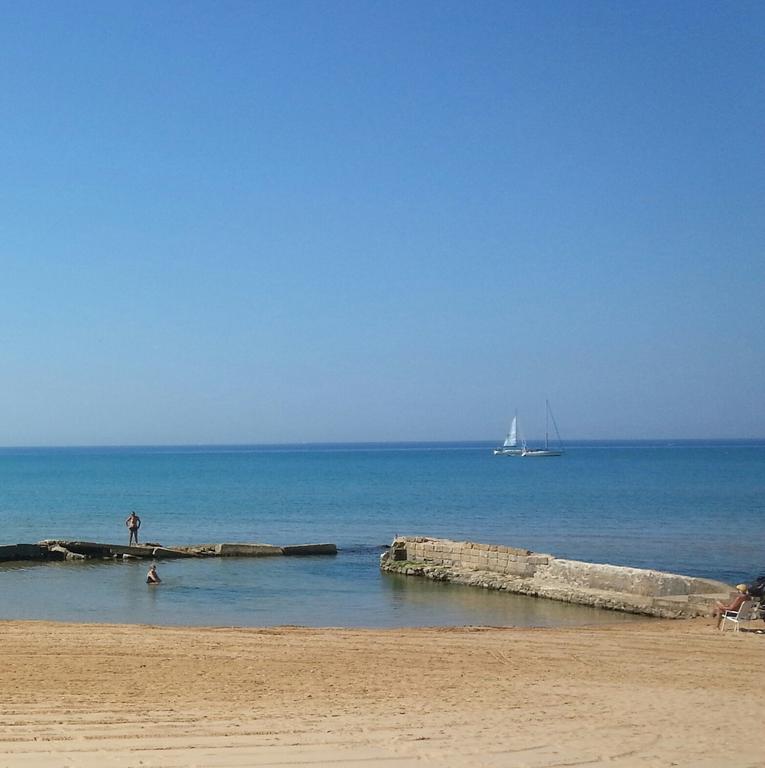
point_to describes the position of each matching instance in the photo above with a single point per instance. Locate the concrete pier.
(60, 549)
(491, 566)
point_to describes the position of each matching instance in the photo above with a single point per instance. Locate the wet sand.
(654, 693)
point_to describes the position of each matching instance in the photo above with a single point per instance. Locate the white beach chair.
(744, 613)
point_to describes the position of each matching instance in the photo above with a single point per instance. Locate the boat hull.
(540, 453)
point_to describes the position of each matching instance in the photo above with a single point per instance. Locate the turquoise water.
(690, 508)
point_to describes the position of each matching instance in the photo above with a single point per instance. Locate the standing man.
(133, 523)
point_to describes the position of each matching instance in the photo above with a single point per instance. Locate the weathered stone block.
(516, 551)
(520, 569)
(247, 550)
(309, 549)
(22, 552)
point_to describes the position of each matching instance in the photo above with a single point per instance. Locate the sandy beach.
(657, 693)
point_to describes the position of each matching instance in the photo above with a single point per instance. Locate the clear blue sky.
(328, 221)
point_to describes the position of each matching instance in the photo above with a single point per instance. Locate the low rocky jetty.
(58, 549)
(491, 566)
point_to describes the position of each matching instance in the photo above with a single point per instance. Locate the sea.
(696, 508)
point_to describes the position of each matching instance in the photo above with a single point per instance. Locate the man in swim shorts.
(152, 577)
(133, 523)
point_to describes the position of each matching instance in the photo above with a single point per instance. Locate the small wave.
(362, 548)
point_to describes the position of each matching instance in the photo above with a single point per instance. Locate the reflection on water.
(347, 590)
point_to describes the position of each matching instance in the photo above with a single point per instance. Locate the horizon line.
(318, 443)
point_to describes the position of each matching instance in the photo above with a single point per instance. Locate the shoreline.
(647, 693)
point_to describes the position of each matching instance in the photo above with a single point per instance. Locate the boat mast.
(555, 424)
(547, 419)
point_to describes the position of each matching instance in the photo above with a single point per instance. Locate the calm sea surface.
(686, 507)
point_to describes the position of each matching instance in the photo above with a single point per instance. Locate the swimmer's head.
(741, 587)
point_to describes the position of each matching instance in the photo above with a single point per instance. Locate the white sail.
(511, 441)
(515, 445)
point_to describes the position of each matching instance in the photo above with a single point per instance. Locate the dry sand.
(657, 693)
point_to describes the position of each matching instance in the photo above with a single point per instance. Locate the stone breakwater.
(56, 549)
(491, 566)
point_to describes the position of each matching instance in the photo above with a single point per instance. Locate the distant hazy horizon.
(477, 443)
(293, 221)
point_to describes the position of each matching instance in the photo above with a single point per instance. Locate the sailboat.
(546, 451)
(510, 447)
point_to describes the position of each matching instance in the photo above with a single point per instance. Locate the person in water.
(735, 603)
(133, 523)
(152, 577)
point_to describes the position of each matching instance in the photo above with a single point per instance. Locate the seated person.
(152, 577)
(733, 605)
